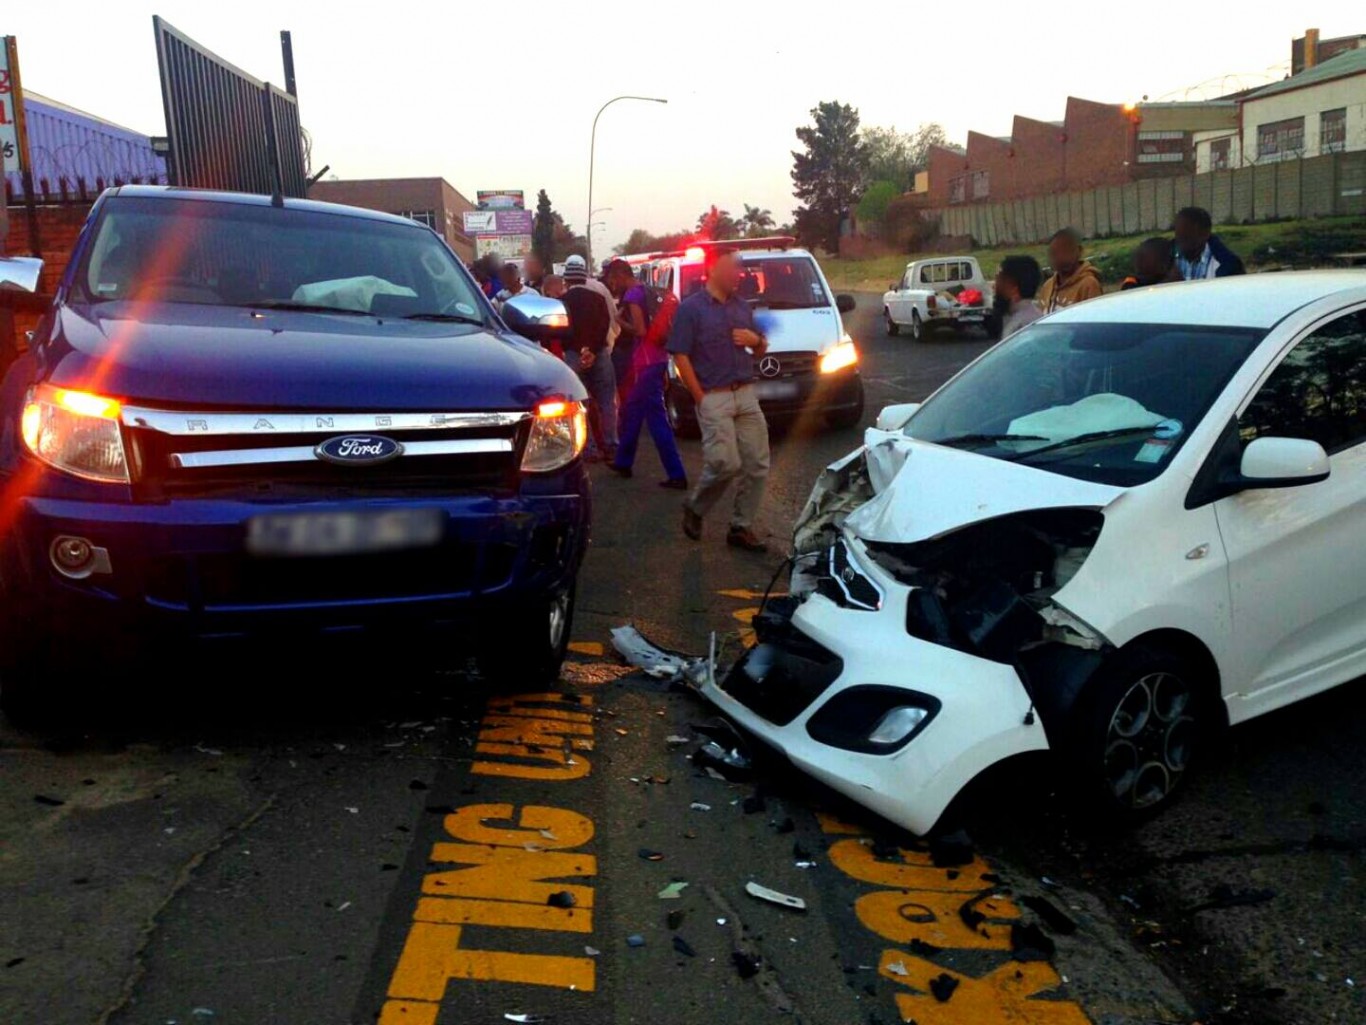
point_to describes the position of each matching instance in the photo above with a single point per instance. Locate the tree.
(872, 208)
(828, 177)
(895, 156)
(714, 225)
(756, 221)
(564, 241)
(543, 230)
(642, 241)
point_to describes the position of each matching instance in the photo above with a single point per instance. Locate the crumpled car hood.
(922, 490)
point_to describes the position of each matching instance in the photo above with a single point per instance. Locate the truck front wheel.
(529, 648)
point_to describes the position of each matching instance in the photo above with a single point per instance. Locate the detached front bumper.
(872, 664)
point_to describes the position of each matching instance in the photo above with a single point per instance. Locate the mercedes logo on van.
(770, 367)
(358, 450)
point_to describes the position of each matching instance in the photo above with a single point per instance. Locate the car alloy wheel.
(1148, 745)
(558, 619)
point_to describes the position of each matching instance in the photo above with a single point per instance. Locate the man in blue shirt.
(714, 342)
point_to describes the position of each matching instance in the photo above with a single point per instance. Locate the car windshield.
(1110, 403)
(240, 254)
(782, 283)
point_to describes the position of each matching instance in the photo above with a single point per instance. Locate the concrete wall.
(1314, 187)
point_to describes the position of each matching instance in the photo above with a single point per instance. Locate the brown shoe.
(743, 537)
(692, 524)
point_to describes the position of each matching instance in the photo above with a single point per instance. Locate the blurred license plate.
(343, 533)
(771, 390)
(972, 315)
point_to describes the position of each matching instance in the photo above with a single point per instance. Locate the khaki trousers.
(734, 447)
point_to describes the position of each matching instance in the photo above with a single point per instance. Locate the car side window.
(1318, 391)
(925, 274)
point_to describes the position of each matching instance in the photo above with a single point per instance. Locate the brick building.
(1094, 145)
(433, 201)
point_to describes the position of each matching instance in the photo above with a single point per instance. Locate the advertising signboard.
(501, 199)
(497, 222)
(505, 247)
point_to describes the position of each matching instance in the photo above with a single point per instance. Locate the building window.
(958, 189)
(1162, 147)
(981, 184)
(1333, 131)
(1280, 140)
(1220, 154)
(427, 217)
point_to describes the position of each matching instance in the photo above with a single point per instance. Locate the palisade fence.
(1326, 186)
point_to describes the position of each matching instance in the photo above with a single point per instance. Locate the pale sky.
(410, 89)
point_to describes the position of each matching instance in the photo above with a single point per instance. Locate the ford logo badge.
(358, 450)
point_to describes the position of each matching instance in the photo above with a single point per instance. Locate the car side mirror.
(1282, 463)
(537, 318)
(20, 273)
(845, 303)
(893, 418)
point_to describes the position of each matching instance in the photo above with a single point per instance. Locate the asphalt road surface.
(287, 836)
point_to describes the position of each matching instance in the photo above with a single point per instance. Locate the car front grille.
(464, 454)
(789, 364)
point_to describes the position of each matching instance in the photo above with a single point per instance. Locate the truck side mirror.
(20, 273)
(537, 318)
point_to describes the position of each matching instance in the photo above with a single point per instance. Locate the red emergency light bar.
(696, 252)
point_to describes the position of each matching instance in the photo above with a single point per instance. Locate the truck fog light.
(898, 724)
(77, 558)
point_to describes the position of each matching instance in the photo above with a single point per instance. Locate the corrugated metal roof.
(1353, 62)
(68, 143)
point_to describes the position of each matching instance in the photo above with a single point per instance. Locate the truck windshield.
(783, 283)
(1110, 403)
(238, 254)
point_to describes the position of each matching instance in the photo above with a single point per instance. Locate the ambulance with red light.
(810, 372)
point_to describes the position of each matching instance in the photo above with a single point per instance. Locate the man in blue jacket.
(1199, 253)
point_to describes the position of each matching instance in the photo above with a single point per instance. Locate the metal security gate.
(226, 129)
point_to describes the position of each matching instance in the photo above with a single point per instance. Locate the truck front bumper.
(182, 567)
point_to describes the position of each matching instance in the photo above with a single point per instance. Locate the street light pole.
(592, 149)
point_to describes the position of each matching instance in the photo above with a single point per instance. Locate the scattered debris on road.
(774, 897)
(561, 899)
(673, 891)
(660, 663)
(682, 946)
(635, 940)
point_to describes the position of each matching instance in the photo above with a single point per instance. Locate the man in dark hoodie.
(1074, 280)
(1199, 253)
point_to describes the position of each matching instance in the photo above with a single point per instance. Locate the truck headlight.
(842, 356)
(75, 432)
(559, 431)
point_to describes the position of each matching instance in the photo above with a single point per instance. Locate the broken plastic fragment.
(635, 940)
(561, 899)
(650, 855)
(897, 968)
(526, 1019)
(774, 897)
(732, 765)
(655, 661)
(675, 740)
(675, 918)
(673, 891)
(683, 947)
(699, 806)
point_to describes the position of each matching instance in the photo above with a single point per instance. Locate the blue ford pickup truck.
(246, 416)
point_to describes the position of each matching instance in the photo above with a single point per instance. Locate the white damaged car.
(1133, 522)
